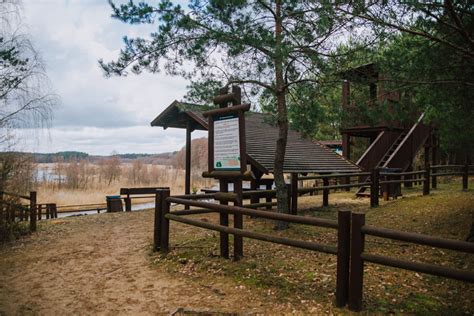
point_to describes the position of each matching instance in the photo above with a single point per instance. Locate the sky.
(96, 115)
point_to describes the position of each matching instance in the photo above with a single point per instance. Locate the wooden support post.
(294, 193)
(165, 223)
(357, 264)
(343, 257)
(48, 211)
(325, 192)
(128, 203)
(238, 222)
(465, 177)
(346, 146)
(55, 210)
(33, 211)
(374, 187)
(187, 183)
(157, 222)
(224, 221)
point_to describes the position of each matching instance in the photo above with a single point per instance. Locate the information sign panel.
(226, 143)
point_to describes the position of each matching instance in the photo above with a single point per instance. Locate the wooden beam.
(187, 181)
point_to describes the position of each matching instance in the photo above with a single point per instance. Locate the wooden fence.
(384, 183)
(358, 256)
(13, 211)
(351, 231)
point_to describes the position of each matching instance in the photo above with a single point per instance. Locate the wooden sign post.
(227, 158)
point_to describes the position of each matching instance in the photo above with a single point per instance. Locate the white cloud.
(103, 141)
(97, 115)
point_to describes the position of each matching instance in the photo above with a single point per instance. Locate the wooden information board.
(226, 143)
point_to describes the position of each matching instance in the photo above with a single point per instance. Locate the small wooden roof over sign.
(302, 154)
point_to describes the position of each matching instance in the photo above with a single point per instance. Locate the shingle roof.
(302, 154)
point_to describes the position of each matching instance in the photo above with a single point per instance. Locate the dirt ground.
(104, 264)
(100, 264)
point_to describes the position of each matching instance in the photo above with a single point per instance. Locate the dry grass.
(305, 280)
(96, 190)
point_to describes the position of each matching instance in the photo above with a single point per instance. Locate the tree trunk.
(282, 122)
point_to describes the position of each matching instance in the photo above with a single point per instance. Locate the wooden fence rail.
(163, 215)
(359, 256)
(351, 232)
(15, 210)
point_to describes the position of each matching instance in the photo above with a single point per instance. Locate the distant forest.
(77, 155)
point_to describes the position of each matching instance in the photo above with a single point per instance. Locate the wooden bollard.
(343, 257)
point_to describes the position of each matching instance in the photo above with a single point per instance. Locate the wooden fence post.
(33, 211)
(343, 257)
(374, 187)
(426, 183)
(157, 221)
(165, 223)
(128, 203)
(294, 193)
(39, 207)
(238, 222)
(268, 199)
(465, 177)
(224, 221)
(48, 211)
(434, 179)
(325, 192)
(55, 210)
(357, 264)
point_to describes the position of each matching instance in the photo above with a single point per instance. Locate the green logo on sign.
(218, 164)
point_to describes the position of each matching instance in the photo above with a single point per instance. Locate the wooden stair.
(401, 152)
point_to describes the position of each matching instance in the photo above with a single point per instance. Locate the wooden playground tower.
(393, 144)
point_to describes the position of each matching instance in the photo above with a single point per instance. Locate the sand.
(100, 264)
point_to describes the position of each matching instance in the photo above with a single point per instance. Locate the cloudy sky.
(96, 115)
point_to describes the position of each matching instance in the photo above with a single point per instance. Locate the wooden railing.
(163, 216)
(351, 232)
(359, 256)
(11, 211)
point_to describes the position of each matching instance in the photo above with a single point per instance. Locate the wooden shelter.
(302, 154)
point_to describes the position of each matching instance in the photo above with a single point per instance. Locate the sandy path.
(100, 264)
